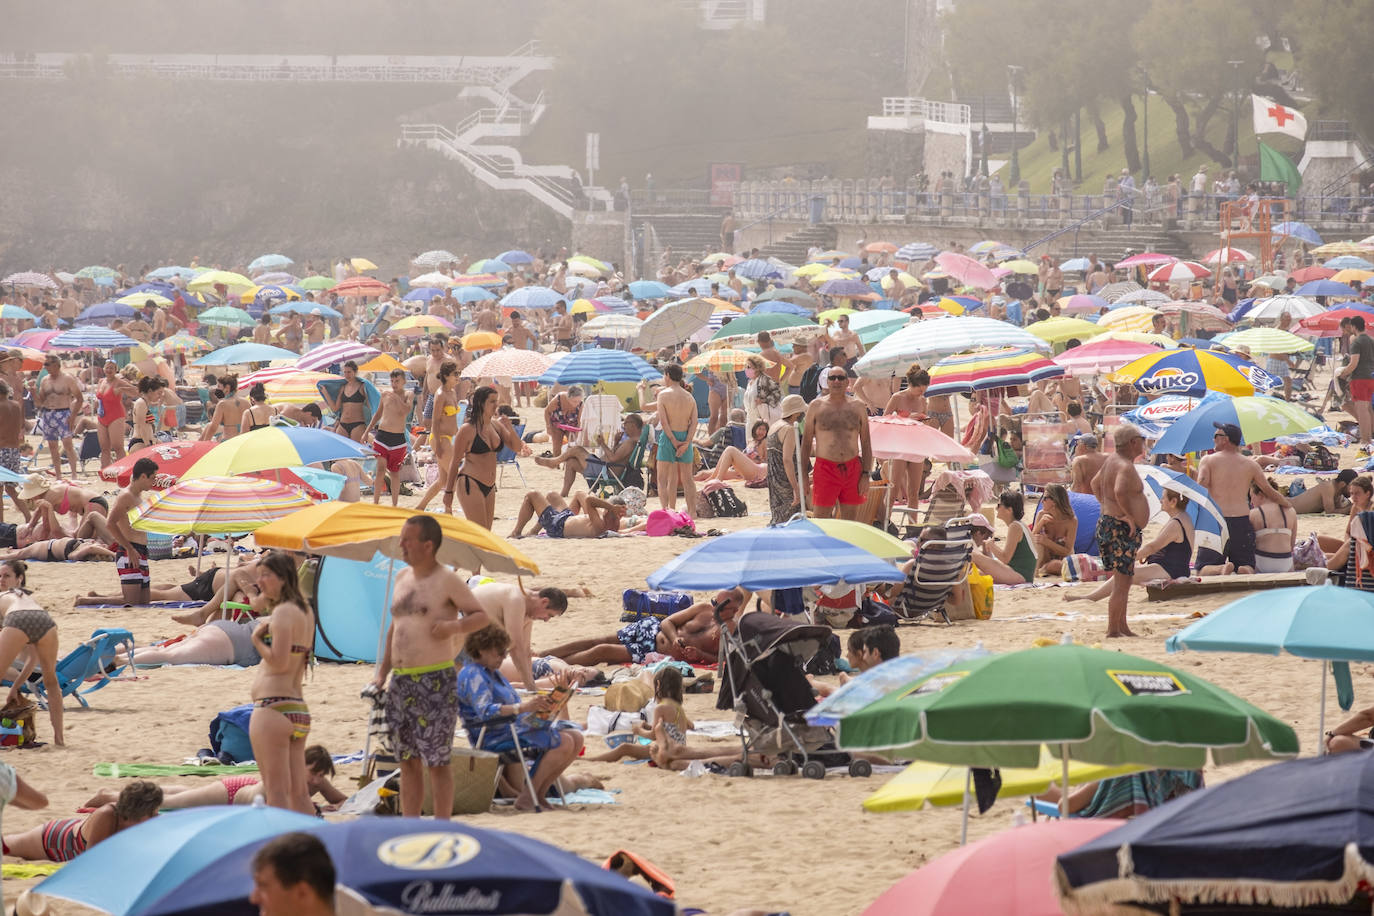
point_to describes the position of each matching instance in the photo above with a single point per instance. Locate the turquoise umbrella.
(243, 353)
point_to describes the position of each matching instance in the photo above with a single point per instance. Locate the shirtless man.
(1321, 496)
(836, 432)
(515, 611)
(775, 362)
(59, 400)
(848, 341)
(390, 441)
(228, 414)
(1086, 463)
(11, 440)
(1121, 492)
(677, 425)
(586, 516)
(1227, 475)
(130, 544)
(562, 326)
(690, 635)
(422, 700)
(521, 335)
(488, 318)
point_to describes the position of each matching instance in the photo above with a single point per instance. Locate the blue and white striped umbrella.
(532, 297)
(649, 289)
(588, 367)
(92, 338)
(916, 251)
(757, 269)
(1209, 525)
(788, 556)
(927, 341)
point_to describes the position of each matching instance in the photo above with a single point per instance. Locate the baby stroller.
(764, 681)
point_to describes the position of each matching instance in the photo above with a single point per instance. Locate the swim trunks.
(391, 448)
(1240, 545)
(422, 712)
(667, 448)
(1117, 544)
(836, 481)
(427, 412)
(553, 520)
(10, 459)
(202, 587)
(132, 570)
(639, 638)
(54, 424)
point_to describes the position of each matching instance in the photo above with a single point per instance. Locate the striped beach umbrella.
(1100, 356)
(612, 326)
(298, 388)
(30, 278)
(1194, 373)
(361, 286)
(916, 251)
(725, 361)
(218, 505)
(1128, 318)
(340, 351)
(443, 281)
(417, 325)
(589, 367)
(92, 338)
(263, 376)
(1179, 272)
(433, 260)
(1267, 340)
(275, 447)
(1001, 368)
(478, 280)
(929, 340)
(508, 363)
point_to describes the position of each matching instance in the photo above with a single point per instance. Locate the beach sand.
(776, 843)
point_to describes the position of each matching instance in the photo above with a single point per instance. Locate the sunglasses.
(838, 378)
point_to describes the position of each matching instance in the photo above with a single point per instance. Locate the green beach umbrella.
(761, 321)
(317, 282)
(1086, 704)
(226, 316)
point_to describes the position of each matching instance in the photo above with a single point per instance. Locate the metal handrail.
(770, 216)
(1075, 226)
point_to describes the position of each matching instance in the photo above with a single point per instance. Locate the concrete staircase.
(793, 248)
(1111, 244)
(687, 234)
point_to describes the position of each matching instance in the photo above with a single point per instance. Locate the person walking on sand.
(677, 425)
(11, 439)
(390, 440)
(1227, 475)
(422, 702)
(131, 545)
(836, 432)
(59, 401)
(1125, 511)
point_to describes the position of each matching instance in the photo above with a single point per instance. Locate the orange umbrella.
(881, 248)
(361, 286)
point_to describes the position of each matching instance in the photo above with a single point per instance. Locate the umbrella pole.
(1321, 717)
(1064, 793)
(797, 451)
(963, 831)
(381, 649)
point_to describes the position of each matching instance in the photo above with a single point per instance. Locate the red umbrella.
(1315, 272)
(1328, 324)
(34, 338)
(361, 286)
(1010, 873)
(173, 459)
(966, 270)
(1179, 271)
(1147, 259)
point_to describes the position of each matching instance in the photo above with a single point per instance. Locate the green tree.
(1333, 39)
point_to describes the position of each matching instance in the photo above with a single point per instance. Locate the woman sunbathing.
(207, 586)
(55, 550)
(750, 466)
(64, 839)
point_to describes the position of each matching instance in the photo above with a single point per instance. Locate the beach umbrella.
(31, 279)
(1348, 262)
(1007, 873)
(34, 338)
(966, 270)
(1114, 291)
(1075, 265)
(949, 305)
(677, 321)
(32, 359)
(275, 447)
(1159, 341)
(515, 257)
(426, 293)
(902, 438)
(361, 264)
(1352, 276)
(359, 531)
(791, 295)
(1141, 297)
(1259, 418)
(339, 351)
(591, 367)
(470, 294)
(316, 282)
(1267, 340)
(15, 313)
(183, 344)
(92, 338)
(443, 281)
(1061, 329)
(1092, 705)
(1209, 525)
(489, 266)
(1146, 259)
(834, 314)
(1290, 838)
(780, 307)
(167, 273)
(1019, 266)
(649, 289)
(1300, 231)
(105, 312)
(1179, 272)
(1194, 372)
(226, 316)
(1099, 356)
(396, 865)
(482, 340)
(361, 286)
(757, 269)
(882, 545)
(280, 278)
(1331, 249)
(508, 363)
(873, 326)
(382, 362)
(761, 321)
(1197, 316)
(1299, 307)
(847, 289)
(616, 327)
(1227, 255)
(877, 682)
(270, 262)
(724, 361)
(586, 307)
(433, 260)
(1083, 304)
(243, 353)
(916, 251)
(217, 505)
(299, 387)
(532, 297)
(1328, 323)
(155, 857)
(206, 281)
(419, 325)
(984, 370)
(96, 271)
(1154, 417)
(925, 341)
(306, 308)
(138, 299)
(266, 296)
(173, 459)
(1326, 288)
(787, 556)
(1312, 272)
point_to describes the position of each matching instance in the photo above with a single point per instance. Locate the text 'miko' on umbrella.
(1194, 373)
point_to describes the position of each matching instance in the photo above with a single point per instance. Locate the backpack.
(640, 603)
(810, 384)
(725, 504)
(229, 735)
(663, 522)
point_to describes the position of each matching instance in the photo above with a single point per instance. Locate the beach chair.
(92, 660)
(90, 448)
(603, 479)
(710, 457)
(940, 566)
(477, 732)
(507, 457)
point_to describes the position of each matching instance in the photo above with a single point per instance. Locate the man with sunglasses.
(836, 433)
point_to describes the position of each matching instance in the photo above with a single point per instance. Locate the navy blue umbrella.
(1291, 834)
(409, 865)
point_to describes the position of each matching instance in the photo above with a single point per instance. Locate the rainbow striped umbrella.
(299, 387)
(275, 447)
(1001, 368)
(218, 505)
(271, 373)
(417, 325)
(182, 343)
(722, 362)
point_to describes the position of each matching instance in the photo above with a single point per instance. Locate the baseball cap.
(1231, 430)
(1346, 476)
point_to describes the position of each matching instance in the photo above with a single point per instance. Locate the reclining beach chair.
(940, 566)
(604, 479)
(477, 732)
(90, 449)
(91, 661)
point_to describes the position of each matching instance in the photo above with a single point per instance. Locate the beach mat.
(165, 605)
(1210, 585)
(22, 870)
(121, 770)
(589, 797)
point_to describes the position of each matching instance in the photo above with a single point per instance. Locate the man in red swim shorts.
(837, 435)
(390, 441)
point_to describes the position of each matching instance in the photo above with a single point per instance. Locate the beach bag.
(1307, 554)
(875, 612)
(629, 696)
(1296, 488)
(638, 602)
(810, 383)
(1319, 458)
(1082, 567)
(229, 735)
(725, 504)
(1004, 454)
(17, 727)
(980, 592)
(663, 522)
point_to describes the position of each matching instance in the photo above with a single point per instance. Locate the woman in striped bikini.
(281, 721)
(65, 839)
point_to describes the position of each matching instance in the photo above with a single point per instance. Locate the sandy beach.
(777, 843)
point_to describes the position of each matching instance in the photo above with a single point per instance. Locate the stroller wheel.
(860, 768)
(813, 769)
(738, 769)
(784, 768)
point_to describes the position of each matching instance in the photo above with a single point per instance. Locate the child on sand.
(669, 728)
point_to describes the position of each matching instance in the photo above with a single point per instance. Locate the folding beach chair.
(477, 732)
(507, 457)
(90, 448)
(91, 661)
(603, 479)
(939, 567)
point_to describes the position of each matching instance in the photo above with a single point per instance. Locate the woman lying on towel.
(64, 839)
(1127, 796)
(57, 550)
(207, 586)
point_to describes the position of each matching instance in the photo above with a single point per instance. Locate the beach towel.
(588, 797)
(121, 770)
(1128, 796)
(169, 605)
(21, 870)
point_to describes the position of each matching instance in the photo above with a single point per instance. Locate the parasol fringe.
(1117, 896)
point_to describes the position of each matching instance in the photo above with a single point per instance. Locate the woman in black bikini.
(29, 630)
(350, 406)
(473, 471)
(1168, 556)
(141, 414)
(58, 549)
(258, 415)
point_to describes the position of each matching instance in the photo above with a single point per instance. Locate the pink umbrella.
(966, 270)
(1147, 259)
(336, 352)
(34, 338)
(1201, 316)
(902, 438)
(510, 363)
(1100, 356)
(1179, 272)
(30, 278)
(1010, 873)
(1083, 303)
(1227, 256)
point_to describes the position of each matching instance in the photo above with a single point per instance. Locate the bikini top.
(485, 449)
(253, 421)
(357, 398)
(1263, 531)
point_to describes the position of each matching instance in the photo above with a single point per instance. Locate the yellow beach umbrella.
(207, 281)
(481, 340)
(810, 270)
(382, 362)
(833, 314)
(907, 280)
(138, 300)
(1058, 330)
(1020, 266)
(1128, 318)
(1159, 340)
(417, 325)
(582, 307)
(1351, 275)
(1334, 249)
(361, 264)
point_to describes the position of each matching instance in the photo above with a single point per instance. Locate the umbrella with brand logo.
(1194, 373)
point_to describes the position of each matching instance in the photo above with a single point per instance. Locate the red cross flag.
(1274, 118)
